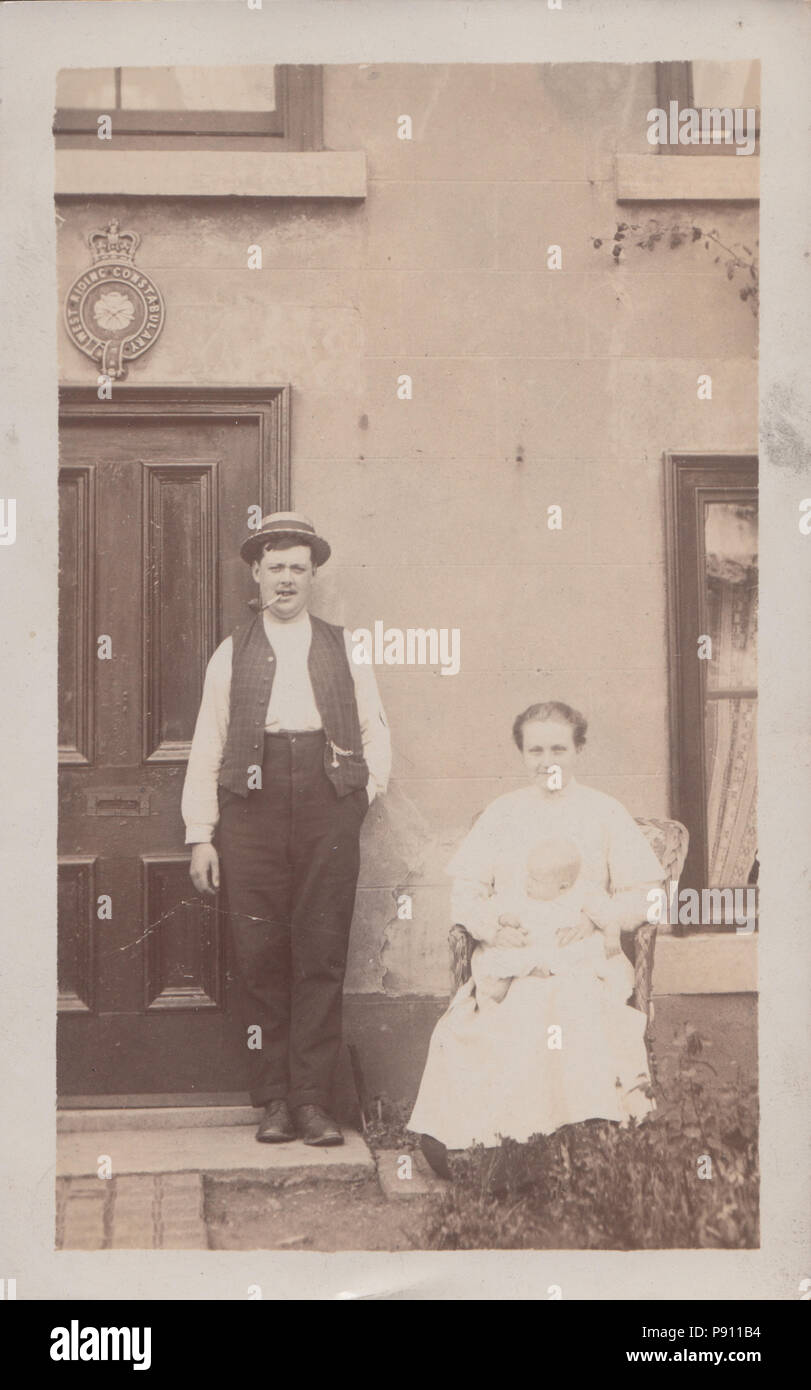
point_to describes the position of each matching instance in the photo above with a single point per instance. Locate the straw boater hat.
(291, 524)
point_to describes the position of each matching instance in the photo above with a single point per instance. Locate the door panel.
(154, 493)
(75, 968)
(180, 604)
(183, 963)
(76, 589)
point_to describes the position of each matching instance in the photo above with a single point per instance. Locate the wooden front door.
(154, 490)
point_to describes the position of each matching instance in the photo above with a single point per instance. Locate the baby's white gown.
(542, 920)
(554, 1051)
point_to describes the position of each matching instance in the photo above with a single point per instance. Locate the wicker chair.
(668, 839)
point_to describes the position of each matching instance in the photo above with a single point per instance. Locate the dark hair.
(551, 709)
(287, 542)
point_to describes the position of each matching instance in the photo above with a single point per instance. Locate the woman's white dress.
(554, 1051)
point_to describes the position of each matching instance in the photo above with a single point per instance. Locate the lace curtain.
(730, 707)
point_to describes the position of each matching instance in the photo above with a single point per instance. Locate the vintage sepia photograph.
(408, 592)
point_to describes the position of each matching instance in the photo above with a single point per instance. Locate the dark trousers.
(290, 859)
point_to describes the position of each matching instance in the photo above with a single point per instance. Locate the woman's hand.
(510, 932)
(604, 912)
(583, 928)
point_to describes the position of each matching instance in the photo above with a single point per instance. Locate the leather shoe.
(276, 1126)
(316, 1127)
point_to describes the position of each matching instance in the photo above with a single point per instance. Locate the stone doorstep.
(158, 1117)
(158, 1169)
(221, 1150)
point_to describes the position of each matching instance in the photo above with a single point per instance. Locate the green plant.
(740, 262)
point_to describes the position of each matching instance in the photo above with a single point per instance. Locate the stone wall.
(531, 387)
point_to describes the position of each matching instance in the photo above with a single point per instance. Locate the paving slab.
(399, 1179)
(226, 1149)
(144, 1211)
(82, 1225)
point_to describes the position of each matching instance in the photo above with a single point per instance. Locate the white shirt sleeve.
(199, 805)
(374, 729)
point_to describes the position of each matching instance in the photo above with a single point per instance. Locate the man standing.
(290, 747)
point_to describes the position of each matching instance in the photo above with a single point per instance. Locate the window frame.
(691, 479)
(674, 82)
(295, 124)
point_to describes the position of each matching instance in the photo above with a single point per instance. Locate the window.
(713, 599)
(261, 107)
(700, 84)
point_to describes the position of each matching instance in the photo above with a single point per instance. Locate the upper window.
(261, 107)
(703, 85)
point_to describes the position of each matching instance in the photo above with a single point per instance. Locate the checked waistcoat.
(252, 671)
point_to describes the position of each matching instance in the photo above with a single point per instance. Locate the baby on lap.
(553, 898)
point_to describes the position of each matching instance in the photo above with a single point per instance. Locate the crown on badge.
(112, 244)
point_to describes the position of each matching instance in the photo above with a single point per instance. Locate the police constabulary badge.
(113, 311)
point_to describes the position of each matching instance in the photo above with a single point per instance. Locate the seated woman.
(559, 1045)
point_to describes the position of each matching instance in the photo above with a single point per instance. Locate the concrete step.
(216, 1149)
(158, 1117)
